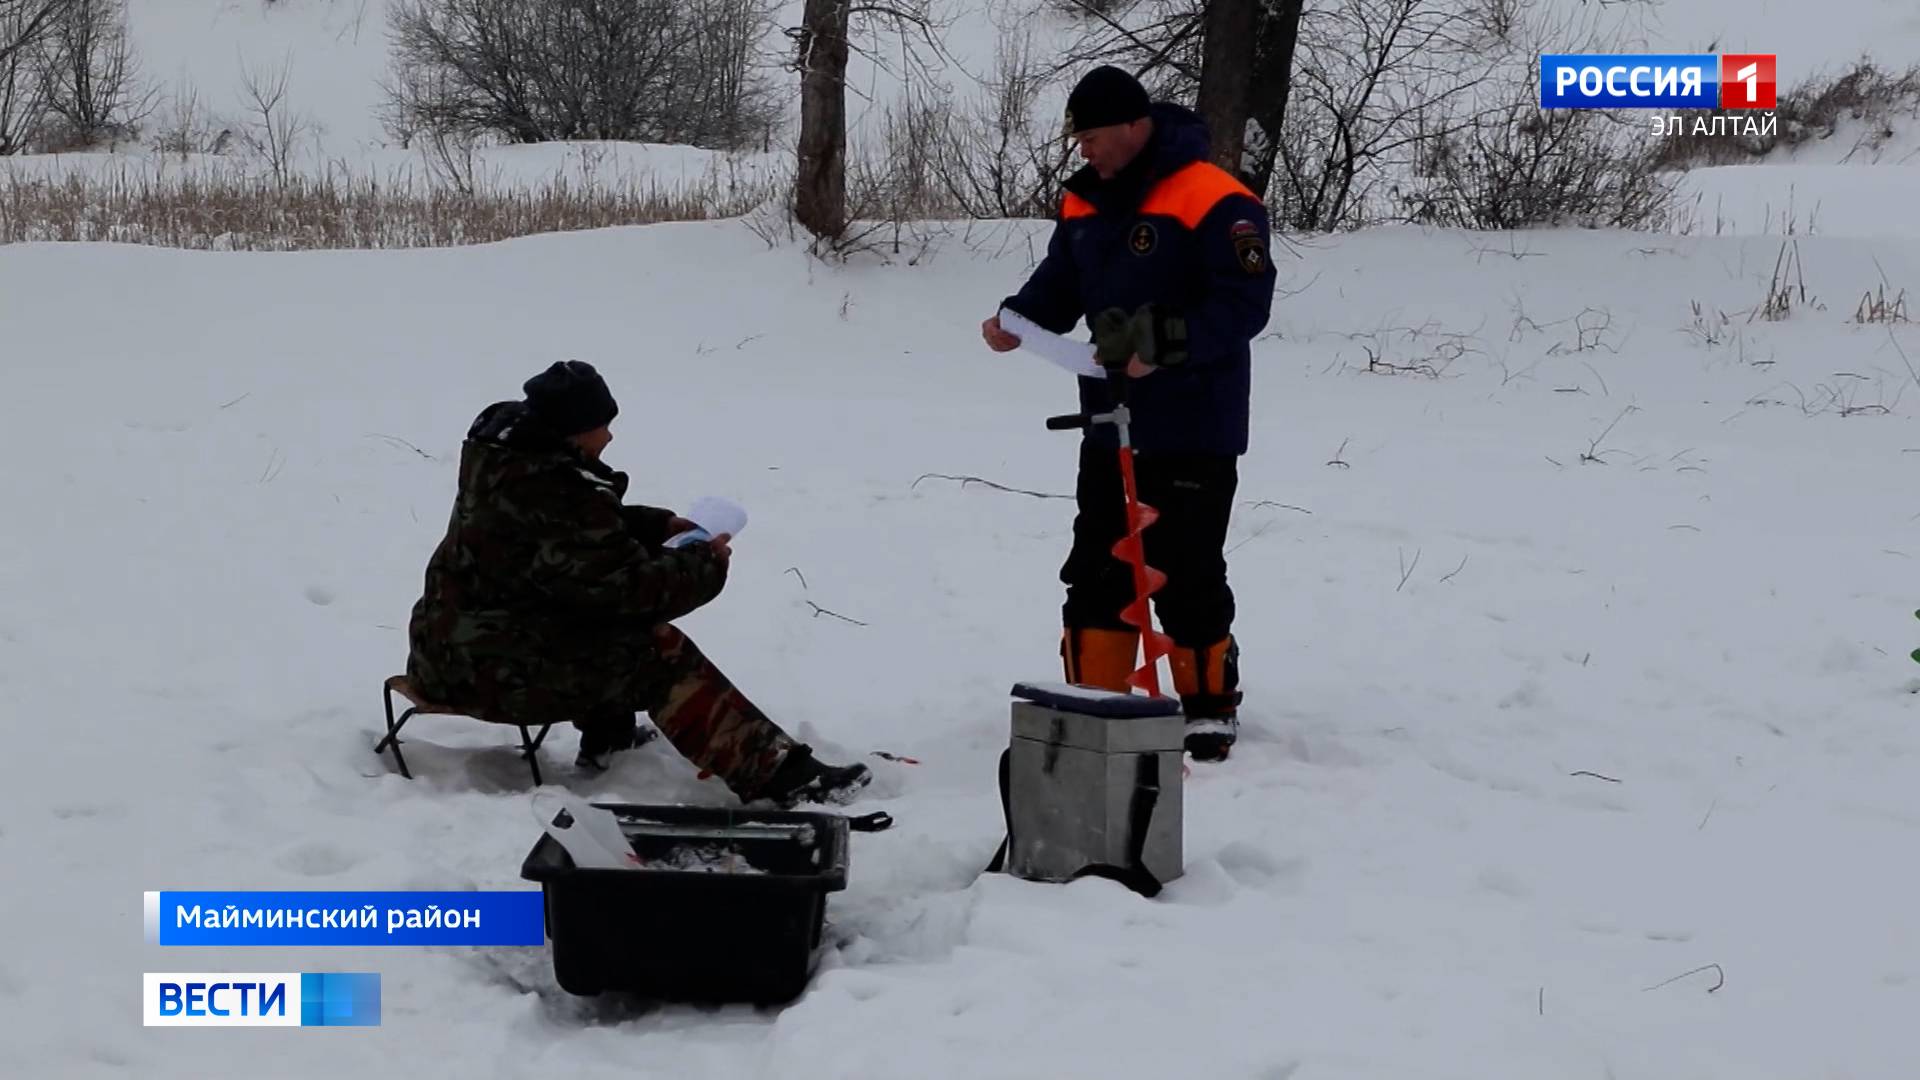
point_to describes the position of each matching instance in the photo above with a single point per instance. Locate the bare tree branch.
(1715, 968)
(965, 480)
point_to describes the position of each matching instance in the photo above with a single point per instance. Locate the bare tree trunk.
(1278, 34)
(1226, 74)
(1245, 72)
(820, 197)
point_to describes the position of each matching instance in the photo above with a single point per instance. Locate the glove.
(1114, 339)
(1160, 336)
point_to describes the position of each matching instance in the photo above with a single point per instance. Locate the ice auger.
(1131, 548)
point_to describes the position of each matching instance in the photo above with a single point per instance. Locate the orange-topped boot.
(1208, 682)
(1100, 658)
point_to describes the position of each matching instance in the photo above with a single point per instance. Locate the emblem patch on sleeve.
(1143, 239)
(1252, 252)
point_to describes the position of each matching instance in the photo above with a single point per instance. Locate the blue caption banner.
(261, 999)
(345, 918)
(1615, 81)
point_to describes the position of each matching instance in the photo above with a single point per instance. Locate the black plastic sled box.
(728, 905)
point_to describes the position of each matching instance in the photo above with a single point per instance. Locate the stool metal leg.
(529, 742)
(393, 734)
(530, 749)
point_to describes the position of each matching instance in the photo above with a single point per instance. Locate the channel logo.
(273, 999)
(1690, 81)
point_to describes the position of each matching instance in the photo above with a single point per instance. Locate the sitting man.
(548, 598)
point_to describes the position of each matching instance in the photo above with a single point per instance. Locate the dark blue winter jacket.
(1175, 229)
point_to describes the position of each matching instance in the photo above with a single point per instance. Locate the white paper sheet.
(1065, 353)
(713, 516)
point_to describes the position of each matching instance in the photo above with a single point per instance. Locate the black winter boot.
(803, 778)
(1211, 739)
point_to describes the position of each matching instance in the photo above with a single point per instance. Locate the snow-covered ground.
(1799, 200)
(227, 471)
(1575, 632)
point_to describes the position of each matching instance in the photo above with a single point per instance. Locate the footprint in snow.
(858, 985)
(1256, 868)
(72, 811)
(1528, 695)
(318, 860)
(319, 595)
(1504, 883)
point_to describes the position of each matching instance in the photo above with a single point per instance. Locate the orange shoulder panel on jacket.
(1191, 194)
(1073, 206)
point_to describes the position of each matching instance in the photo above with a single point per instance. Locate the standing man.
(1166, 256)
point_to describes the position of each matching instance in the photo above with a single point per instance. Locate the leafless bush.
(274, 128)
(1514, 166)
(23, 21)
(1497, 161)
(1593, 454)
(452, 157)
(1428, 350)
(933, 165)
(890, 186)
(993, 163)
(1371, 79)
(1816, 110)
(1431, 368)
(681, 71)
(1876, 307)
(94, 90)
(24, 25)
(730, 102)
(1710, 328)
(185, 126)
(903, 187)
(893, 209)
(1787, 288)
(1846, 396)
(230, 210)
(1591, 330)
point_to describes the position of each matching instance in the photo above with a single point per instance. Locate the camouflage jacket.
(541, 600)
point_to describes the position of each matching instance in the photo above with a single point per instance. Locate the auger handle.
(1070, 422)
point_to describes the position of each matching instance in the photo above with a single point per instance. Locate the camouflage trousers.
(710, 721)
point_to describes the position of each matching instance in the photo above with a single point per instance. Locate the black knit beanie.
(571, 397)
(1104, 97)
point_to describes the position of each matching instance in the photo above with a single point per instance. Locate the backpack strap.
(999, 863)
(1146, 795)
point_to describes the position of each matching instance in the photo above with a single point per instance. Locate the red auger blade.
(1131, 549)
